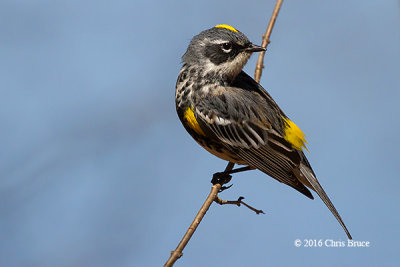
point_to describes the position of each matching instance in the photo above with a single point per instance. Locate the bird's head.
(222, 49)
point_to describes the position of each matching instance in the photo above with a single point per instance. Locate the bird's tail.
(312, 182)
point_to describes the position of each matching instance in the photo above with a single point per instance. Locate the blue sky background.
(96, 169)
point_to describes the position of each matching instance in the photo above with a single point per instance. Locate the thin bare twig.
(213, 196)
(266, 41)
(177, 253)
(237, 203)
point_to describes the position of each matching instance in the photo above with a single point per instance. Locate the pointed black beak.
(254, 48)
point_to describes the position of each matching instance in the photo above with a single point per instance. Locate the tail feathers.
(312, 182)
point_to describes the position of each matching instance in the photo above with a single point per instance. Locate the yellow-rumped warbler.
(234, 118)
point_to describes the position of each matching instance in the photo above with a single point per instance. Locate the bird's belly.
(219, 151)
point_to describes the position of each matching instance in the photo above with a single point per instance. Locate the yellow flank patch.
(294, 135)
(225, 26)
(192, 122)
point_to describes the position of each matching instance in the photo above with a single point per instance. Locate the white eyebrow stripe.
(220, 41)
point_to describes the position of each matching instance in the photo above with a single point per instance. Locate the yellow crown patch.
(225, 26)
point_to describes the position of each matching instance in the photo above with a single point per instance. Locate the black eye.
(227, 47)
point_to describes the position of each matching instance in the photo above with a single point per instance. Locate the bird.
(234, 118)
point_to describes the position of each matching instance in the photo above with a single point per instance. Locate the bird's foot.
(221, 178)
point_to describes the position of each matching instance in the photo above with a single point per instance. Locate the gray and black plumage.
(234, 118)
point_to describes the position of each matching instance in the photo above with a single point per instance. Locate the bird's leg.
(227, 172)
(225, 176)
(241, 169)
